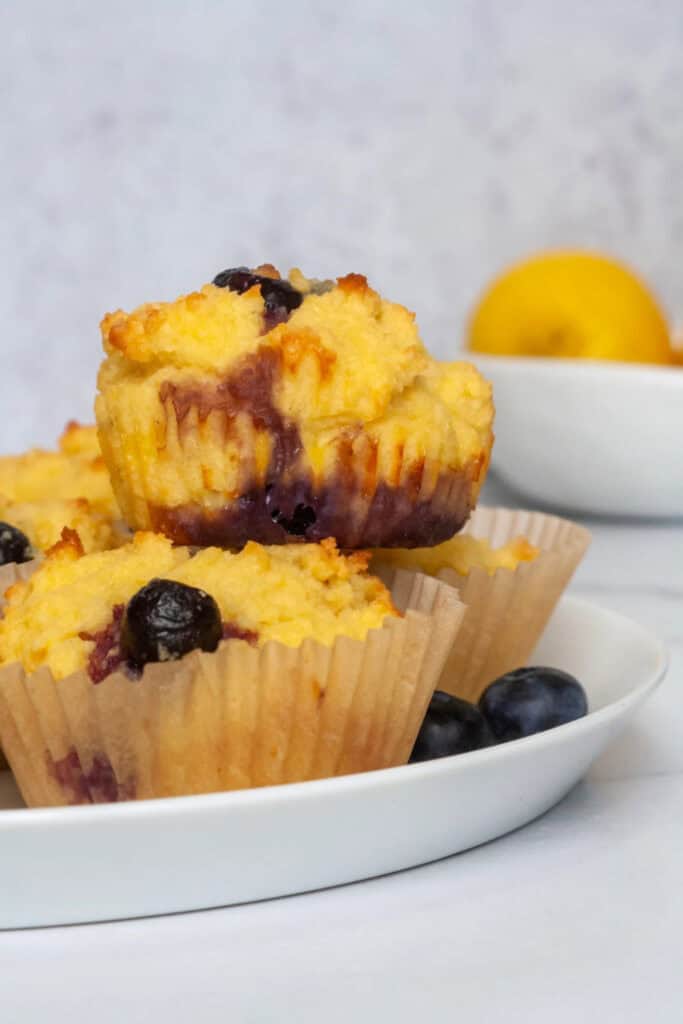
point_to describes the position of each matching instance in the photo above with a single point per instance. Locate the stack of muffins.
(265, 439)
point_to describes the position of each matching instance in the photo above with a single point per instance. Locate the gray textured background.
(147, 145)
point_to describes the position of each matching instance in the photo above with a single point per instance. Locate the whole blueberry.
(531, 700)
(451, 726)
(166, 620)
(280, 297)
(14, 545)
(237, 279)
(301, 520)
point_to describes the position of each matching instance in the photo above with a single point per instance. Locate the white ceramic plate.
(587, 436)
(65, 865)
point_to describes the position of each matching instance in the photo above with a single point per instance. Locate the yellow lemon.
(570, 304)
(677, 344)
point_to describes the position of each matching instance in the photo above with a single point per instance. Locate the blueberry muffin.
(510, 568)
(279, 410)
(42, 492)
(154, 670)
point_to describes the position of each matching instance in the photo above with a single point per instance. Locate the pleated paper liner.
(10, 574)
(14, 573)
(237, 718)
(508, 610)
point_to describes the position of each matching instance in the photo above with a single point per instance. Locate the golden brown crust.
(115, 329)
(70, 544)
(351, 283)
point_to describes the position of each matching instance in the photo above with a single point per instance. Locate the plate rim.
(37, 817)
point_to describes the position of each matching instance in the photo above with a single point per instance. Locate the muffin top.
(340, 344)
(461, 553)
(75, 470)
(42, 523)
(327, 356)
(41, 492)
(68, 615)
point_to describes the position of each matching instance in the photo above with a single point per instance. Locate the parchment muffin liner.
(237, 718)
(10, 574)
(15, 572)
(508, 610)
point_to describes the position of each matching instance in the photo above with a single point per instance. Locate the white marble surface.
(578, 916)
(147, 145)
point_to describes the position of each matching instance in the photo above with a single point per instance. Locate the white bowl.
(61, 865)
(592, 437)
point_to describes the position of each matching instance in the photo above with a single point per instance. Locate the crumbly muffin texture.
(344, 352)
(43, 522)
(75, 470)
(288, 410)
(285, 593)
(462, 554)
(42, 492)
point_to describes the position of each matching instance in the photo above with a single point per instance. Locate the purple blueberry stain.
(98, 785)
(280, 298)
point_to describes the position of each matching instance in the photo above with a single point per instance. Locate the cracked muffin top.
(345, 350)
(71, 613)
